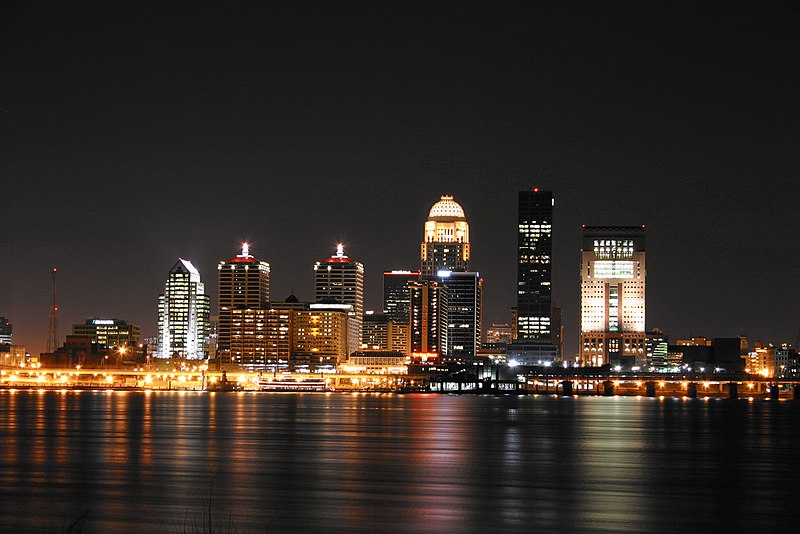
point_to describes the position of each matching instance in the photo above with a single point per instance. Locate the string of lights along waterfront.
(432, 322)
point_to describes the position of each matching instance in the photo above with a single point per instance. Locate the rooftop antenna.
(52, 329)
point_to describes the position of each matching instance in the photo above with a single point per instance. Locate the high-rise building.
(464, 314)
(446, 239)
(536, 340)
(534, 265)
(340, 280)
(183, 314)
(109, 333)
(395, 294)
(243, 283)
(6, 330)
(428, 320)
(613, 275)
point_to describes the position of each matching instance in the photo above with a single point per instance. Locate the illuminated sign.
(102, 321)
(613, 269)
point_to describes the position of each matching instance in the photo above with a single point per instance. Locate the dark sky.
(134, 135)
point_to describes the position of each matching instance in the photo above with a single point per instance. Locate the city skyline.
(135, 136)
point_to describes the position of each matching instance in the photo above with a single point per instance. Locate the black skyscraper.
(534, 265)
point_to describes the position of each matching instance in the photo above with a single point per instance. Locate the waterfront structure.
(380, 332)
(428, 320)
(395, 294)
(249, 340)
(243, 283)
(6, 330)
(375, 362)
(340, 280)
(656, 350)
(445, 245)
(613, 273)
(537, 339)
(464, 314)
(183, 314)
(109, 333)
(761, 360)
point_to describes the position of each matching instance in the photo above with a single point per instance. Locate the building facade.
(380, 332)
(340, 280)
(243, 283)
(395, 294)
(445, 245)
(534, 264)
(428, 320)
(464, 314)
(6, 330)
(613, 272)
(109, 333)
(184, 311)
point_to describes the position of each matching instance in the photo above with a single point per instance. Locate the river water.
(315, 462)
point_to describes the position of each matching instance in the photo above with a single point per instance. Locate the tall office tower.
(183, 314)
(249, 339)
(535, 342)
(6, 330)
(534, 265)
(464, 314)
(109, 333)
(340, 280)
(446, 242)
(428, 320)
(395, 294)
(612, 295)
(243, 283)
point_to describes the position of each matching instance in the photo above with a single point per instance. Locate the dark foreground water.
(264, 462)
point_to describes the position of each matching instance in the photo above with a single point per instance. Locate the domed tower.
(446, 241)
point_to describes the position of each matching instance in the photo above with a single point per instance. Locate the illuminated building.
(499, 334)
(12, 355)
(428, 320)
(375, 362)
(249, 338)
(446, 239)
(109, 333)
(183, 314)
(464, 314)
(534, 265)
(380, 332)
(340, 280)
(319, 337)
(537, 339)
(761, 360)
(656, 349)
(613, 275)
(243, 283)
(395, 294)
(6, 329)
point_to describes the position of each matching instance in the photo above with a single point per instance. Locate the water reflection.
(150, 461)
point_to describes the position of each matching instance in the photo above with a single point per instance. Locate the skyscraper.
(612, 295)
(340, 280)
(534, 265)
(396, 295)
(6, 329)
(183, 314)
(428, 320)
(535, 341)
(464, 314)
(243, 284)
(446, 239)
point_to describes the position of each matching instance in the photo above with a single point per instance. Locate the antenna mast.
(52, 329)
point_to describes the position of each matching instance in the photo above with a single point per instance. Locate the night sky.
(135, 135)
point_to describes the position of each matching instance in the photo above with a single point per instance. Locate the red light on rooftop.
(535, 189)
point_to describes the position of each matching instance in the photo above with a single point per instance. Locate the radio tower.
(52, 329)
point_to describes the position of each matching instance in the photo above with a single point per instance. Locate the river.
(316, 462)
